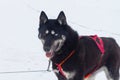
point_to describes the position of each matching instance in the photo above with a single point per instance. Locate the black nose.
(46, 49)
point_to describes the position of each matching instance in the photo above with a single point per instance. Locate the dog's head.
(52, 33)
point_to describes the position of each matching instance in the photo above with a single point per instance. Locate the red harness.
(99, 44)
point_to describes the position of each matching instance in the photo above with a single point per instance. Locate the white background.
(20, 48)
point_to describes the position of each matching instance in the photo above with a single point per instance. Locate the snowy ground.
(20, 49)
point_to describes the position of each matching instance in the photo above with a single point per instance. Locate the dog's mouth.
(49, 54)
(54, 49)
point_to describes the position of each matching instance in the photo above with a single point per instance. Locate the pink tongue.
(49, 54)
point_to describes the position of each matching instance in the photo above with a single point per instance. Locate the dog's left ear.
(62, 18)
(43, 18)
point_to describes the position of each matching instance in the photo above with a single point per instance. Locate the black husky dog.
(74, 57)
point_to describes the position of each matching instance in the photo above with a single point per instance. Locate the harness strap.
(59, 66)
(97, 66)
(100, 44)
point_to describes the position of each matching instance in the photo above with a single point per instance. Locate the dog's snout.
(46, 49)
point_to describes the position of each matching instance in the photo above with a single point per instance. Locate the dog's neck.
(70, 44)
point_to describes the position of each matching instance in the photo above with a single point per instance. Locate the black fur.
(87, 54)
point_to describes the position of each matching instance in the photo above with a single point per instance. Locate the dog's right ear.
(62, 18)
(43, 18)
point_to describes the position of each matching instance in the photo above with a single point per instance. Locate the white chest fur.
(69, 75)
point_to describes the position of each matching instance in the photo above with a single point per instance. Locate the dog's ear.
(62, 18)
(43, 18)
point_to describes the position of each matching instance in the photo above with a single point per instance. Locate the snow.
(20, 48)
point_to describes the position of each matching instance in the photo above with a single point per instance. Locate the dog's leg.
(107, 73)
(112, 73)
(92, 77)
(112, 65)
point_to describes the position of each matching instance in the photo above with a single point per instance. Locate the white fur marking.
(56, 71)
(43, 41)
(60, 22)
(56, 34)
(59, 41)
(63, 37)
(69, 75)
(46, 32)
(52, 32)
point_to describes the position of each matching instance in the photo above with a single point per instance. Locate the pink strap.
(60, 70)
(100, 45)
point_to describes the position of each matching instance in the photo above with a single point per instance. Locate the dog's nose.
(46, 49)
